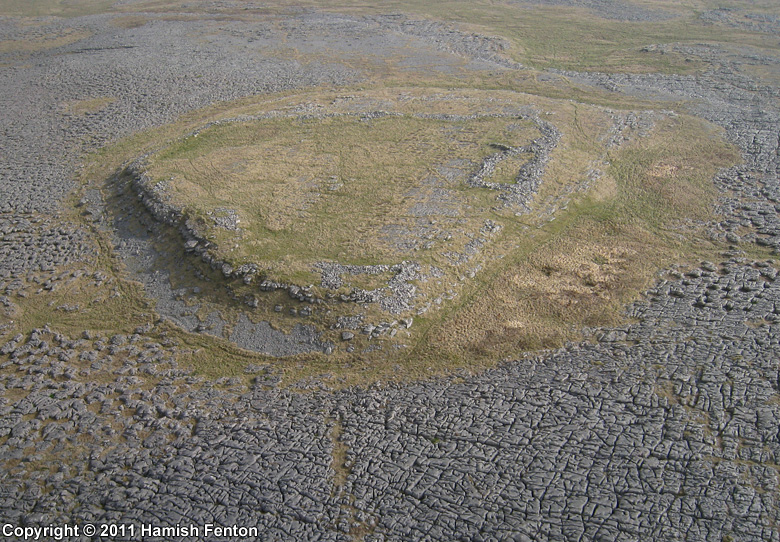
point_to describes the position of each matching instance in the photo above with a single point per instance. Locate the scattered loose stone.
(665, 429)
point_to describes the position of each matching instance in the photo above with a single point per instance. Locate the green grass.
(540, 281)
(540, 37)
(40, 43)
(645, 214)
(57, 8)
(310, 190)
(576, 38)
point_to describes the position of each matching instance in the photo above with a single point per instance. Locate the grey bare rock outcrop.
(664, 429)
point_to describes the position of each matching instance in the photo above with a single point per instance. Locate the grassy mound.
(401, 191)
(349, 189)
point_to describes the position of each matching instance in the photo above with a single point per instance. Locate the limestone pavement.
(665, 429)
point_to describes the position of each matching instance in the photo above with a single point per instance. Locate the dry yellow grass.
(129, 21)
(87, 105)
(38, 43)
(57, 8)
(602, 251)
(540, 282)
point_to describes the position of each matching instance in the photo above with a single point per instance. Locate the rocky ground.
(666, 429)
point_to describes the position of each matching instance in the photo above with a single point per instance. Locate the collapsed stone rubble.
(663, 429)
